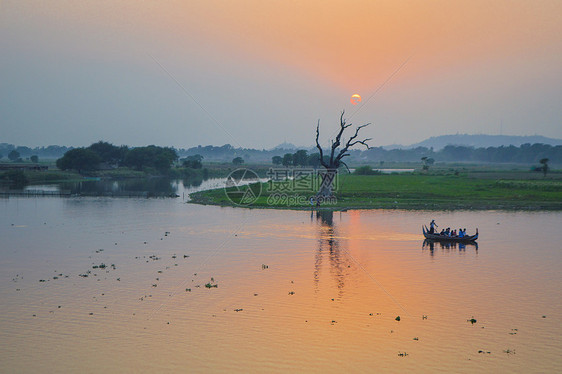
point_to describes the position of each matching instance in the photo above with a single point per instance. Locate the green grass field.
(415, 191)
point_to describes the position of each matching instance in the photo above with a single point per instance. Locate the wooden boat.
(444, 238)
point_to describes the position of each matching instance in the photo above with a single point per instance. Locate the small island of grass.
(442, 189)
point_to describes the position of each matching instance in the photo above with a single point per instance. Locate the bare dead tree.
(334, 162)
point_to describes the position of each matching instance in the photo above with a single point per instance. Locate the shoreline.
(195, 198)
(408, 192)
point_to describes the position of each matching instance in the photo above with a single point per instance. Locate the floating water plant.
(211, 284)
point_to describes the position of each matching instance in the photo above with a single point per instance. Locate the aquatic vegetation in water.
(211, 284)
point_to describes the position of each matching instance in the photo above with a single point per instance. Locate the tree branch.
(319, 147)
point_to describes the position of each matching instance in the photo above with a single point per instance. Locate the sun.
(355, 99)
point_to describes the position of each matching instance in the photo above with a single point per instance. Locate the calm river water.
(119, 285)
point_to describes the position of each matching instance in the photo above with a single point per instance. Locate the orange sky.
(471, 62)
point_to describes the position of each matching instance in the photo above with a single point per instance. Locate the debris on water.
(188, 290)
(486, 352)
(238, 310)
(509, 351)
(185, 256)
(397, 319)
(174, 256)
(543, 316)
(513, 332)
(334, 321)
(402, 354)
(416, 338)
(264, 266)
(211, 284)
(424, 317)
(91, 313)
(291, 292)
(472, 320)
(255, 294)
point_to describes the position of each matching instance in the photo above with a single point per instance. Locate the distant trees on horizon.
(524, 154)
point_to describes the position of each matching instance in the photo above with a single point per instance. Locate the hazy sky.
(257, 73)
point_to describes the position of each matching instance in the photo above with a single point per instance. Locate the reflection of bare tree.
(329, 246)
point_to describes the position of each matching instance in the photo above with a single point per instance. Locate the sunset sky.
(257, 73)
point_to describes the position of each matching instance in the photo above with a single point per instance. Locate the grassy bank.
(416, 191)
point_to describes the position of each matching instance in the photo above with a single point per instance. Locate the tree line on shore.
(103, 155)
(525, 154)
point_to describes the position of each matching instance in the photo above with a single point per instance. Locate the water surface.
(296, 291)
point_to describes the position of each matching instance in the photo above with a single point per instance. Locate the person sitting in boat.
(461, 233)
(432, 226)
(448, 231)
(442, 232)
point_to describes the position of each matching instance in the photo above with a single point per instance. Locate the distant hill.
(478, 141)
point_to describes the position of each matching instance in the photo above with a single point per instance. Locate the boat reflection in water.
(430, 245)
